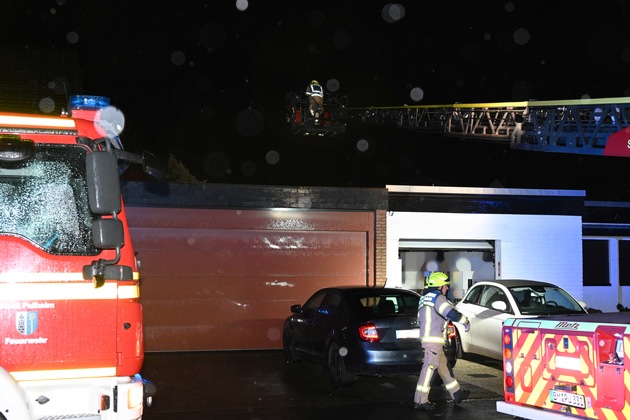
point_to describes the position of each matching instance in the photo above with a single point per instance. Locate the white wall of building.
(536, 247)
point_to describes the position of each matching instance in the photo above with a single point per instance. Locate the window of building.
(624, 263)
(595, 259)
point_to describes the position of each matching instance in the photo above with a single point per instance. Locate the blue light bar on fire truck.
(88, 102)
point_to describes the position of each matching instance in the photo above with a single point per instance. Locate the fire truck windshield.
(45, 201)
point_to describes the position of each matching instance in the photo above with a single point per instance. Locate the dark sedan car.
(358, 331)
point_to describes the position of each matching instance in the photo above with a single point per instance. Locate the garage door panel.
(277, 264)
(216, 312)
(293, 289)
(265, 220)
(250, 334)
(216, 289)
(245, 240)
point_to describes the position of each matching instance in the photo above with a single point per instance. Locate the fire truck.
(567, 366)
(71, 335)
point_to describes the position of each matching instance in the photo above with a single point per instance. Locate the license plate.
(414, 333)
(567, 398)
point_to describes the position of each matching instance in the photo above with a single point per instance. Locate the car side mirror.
(297, 309)
(499, 305)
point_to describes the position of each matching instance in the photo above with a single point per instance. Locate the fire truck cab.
(71, 332)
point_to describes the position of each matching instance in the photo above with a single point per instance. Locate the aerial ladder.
(584, 126)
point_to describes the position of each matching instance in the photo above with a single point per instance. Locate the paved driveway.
(257, 385)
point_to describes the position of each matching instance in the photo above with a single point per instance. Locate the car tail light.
(368, 332)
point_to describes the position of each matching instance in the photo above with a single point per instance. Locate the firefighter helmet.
(314, 82)
(437, 279)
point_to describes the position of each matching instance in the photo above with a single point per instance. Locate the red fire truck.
(71, 338)
(567, 366)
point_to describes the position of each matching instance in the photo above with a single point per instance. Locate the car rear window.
(391, 303)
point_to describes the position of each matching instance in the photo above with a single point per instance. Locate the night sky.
(206, 81)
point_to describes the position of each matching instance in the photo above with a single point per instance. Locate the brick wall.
(381, 247)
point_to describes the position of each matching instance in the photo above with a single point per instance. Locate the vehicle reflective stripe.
(129, 292)
(35, 375)
(66, 291)
(10, 277)
(22, 121)
(39, 277)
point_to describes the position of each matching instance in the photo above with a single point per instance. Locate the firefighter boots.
(460, 395)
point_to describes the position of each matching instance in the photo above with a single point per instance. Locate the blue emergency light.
(88, 102)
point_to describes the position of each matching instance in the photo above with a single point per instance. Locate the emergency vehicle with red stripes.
(567, 366)
(71, 336)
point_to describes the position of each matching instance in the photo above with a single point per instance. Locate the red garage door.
(225, 279)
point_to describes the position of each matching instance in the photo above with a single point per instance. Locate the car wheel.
(339, 376)
(288, 347)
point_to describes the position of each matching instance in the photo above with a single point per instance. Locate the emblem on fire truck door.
(26, 322)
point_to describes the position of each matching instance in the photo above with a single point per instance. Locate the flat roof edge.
(425, 189)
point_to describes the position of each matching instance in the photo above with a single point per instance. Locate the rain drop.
(521, 36)
(393, 12)
(363, 145)
(273, 334)
(46, 105)
(178, 58)
(416, 94)
(332, 85)
(242, 5)
(248, 168)
(272, 157)
(72, 37)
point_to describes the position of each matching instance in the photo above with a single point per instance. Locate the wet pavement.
(259, 385)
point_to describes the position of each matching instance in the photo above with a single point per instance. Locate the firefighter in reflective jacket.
(315, 94)
(434, 312)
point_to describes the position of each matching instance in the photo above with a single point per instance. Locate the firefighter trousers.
(434, 361)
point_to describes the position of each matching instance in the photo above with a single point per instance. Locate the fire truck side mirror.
(103, 183)
(108, 233)
(154, 166)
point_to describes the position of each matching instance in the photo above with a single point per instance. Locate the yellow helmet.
(437, 279)
(314, 82)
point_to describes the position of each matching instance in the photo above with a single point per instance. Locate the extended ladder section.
(584, 126)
